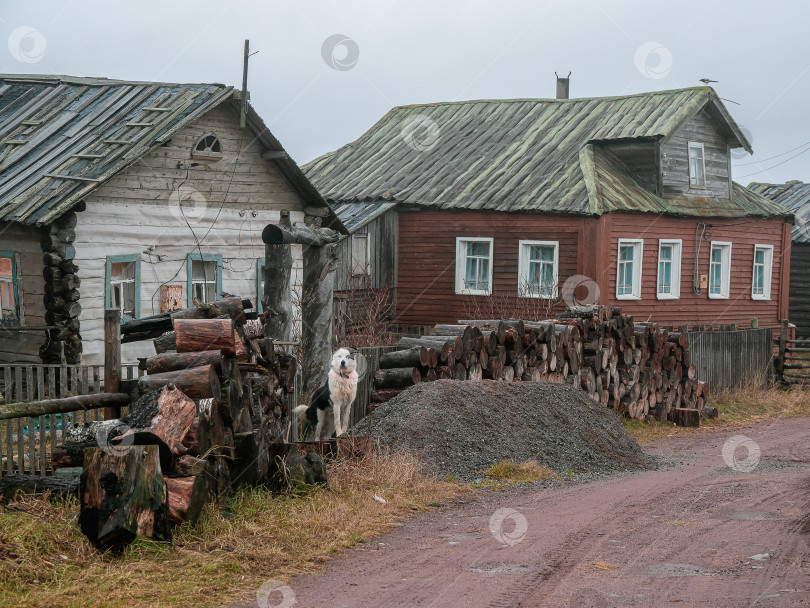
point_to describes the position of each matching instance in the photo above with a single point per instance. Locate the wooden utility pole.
(112, 359)
(243, 113)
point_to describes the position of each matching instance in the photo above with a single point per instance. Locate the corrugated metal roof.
(356, 215)
(793, 196)
(62, 136)
(521, 155)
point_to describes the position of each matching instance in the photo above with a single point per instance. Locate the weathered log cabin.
(614, 200)
(132, 195)
(794, 196)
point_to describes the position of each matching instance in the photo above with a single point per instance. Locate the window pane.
(210, 292)
(625, 252)
(759, 280)
(759, 256)
(666, 252)
(128, 309)
(483, 274)
(542, 253)
(203, 271)
(5, 267)
(478, 248)
(122, 270)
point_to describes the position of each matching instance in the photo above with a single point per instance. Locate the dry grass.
(46, 561)
(523, 472)
(742, 406)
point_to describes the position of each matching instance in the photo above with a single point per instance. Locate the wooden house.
(614, 200)
(130, 195)
(794, 196)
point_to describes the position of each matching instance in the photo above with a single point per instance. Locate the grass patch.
(46, 561)
(519, 472)
(742, 406)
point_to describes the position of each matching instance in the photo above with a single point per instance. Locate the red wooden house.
(629, 197)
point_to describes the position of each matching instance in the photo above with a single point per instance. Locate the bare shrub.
(525, 305)
(367, 315)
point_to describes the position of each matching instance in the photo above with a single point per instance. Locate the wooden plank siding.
(587, 246)
(675, 165)
(383, 240)
(22, 345)
(691, 309)
(799, 311)
(134, 211)
(427, 252)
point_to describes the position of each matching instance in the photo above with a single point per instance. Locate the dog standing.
(331, 404)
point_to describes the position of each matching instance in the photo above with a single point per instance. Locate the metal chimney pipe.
(562, 86)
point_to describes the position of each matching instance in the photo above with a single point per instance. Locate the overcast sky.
(327, 70)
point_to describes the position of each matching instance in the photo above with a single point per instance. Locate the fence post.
(112, 359)
(780, 370)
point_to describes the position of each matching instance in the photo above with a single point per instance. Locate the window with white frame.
(474, 265)
(122, 287)
(719, 270)
(669, 269)
(697, 166)
(537, 269)
(763, 266)
(360, 244)
(8, 290)
(628, 269)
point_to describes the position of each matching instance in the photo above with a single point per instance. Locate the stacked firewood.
(192, 434)
(640, 369)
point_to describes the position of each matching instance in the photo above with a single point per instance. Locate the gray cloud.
(423, 51)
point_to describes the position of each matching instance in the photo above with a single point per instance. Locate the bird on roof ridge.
(707, 80)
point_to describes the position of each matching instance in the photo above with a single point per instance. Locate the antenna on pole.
(243, 113)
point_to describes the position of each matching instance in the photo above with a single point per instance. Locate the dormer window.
(207, 148)
(697, 166)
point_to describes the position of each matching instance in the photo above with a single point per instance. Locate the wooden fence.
(26, 443)
(730, 359)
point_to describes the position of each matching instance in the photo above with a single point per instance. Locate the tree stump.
(123, 497)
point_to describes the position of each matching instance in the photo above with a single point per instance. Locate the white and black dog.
(332, 403)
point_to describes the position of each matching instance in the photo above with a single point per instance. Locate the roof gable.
(505, 155)
(61, 137)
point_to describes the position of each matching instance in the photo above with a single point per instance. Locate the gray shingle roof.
(523, 155)
(62, 136)
(357, 215)
(793, 196)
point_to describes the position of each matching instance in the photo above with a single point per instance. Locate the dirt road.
(700, 533)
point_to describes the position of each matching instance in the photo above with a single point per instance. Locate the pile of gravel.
(462, 428)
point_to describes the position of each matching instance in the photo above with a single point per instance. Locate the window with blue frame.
(122, 289)
(9, 305)
(259, 284)
(204, 277)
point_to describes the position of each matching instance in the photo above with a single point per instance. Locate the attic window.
(207, 148)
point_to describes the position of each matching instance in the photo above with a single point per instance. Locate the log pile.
(640, 369)
(204, 420)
